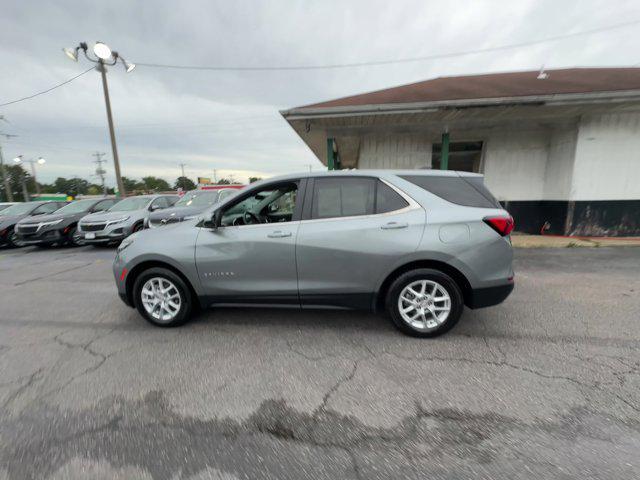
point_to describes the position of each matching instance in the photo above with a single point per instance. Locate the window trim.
(306, 218)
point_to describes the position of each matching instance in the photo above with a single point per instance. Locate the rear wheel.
(162, 297)
(424, 303)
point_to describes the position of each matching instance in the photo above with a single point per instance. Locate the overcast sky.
(229, 121)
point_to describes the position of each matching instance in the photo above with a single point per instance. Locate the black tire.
(186, 298)
(444, 281)
(137, 227)
(72, 239)
(13, 241)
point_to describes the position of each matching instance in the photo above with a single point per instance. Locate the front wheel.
(75, 238)
(424, 302)
(13, 240)
(162, 297)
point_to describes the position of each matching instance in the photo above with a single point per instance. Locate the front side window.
(273, 204)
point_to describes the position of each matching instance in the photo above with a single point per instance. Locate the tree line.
(79, 186)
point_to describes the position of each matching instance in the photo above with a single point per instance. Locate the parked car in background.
(4, 205)
(419, 244)
(60, 227)
(190, 205)
(10, 216)
(124, 218)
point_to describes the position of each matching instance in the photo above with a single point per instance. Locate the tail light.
(502, 225)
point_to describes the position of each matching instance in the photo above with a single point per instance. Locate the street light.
(104, 57)
(39, 161)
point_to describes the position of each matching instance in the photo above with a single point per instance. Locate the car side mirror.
(153, 208)
(215, 221)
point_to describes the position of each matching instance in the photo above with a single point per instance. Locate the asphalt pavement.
(546, 385)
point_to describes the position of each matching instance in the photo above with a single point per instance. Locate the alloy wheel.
(424, 305)
(161, 299)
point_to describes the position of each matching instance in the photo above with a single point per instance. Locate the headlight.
(118, 220)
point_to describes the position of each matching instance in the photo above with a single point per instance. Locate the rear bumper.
(487, 297)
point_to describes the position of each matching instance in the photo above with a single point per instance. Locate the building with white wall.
(560, 149)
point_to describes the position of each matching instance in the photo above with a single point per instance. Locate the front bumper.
(109, 234)
(41, 237)
(489, 296)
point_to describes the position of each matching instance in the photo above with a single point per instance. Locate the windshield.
(197, 198)
(77, 206)
(130, 204)
(19, 209)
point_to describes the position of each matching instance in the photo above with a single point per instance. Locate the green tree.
(254, 179)
(185, 183)
(223, 181)
(131, 185)
(155, 184)
(16, 174)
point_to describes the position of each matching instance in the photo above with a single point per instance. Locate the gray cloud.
(229, 120)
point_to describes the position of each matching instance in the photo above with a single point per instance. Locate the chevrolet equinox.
(420, 244)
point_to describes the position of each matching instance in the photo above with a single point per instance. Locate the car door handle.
(279, 234)
(394, 225)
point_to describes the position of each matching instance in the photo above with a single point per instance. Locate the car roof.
(369, 173)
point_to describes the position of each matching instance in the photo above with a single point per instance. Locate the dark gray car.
(190, 205)
(124, 218)
(419, 244)
(59, 227)
(9, 217)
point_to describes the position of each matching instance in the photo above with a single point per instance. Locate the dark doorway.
(463, 156)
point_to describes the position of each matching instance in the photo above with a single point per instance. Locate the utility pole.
(100, 171)
(5, 177)
(215, 180)
(182, 165)
(112, 133)
(105, 56)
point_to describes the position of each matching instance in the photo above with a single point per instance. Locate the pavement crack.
(335, 388)
(23, 388)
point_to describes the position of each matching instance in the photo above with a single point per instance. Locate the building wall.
(394, 151)
(560, 162)
(515, 162)
(607, 160)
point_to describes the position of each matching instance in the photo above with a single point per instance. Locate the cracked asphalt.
(546, 385)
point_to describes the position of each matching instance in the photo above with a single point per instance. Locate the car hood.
(177, 212)
(106, 216)
(40, 218)
(9, 221)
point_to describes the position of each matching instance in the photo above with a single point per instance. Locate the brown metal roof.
(498, 85)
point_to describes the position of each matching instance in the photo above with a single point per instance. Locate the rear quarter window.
(469, 192)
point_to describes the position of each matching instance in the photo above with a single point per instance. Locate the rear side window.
(470, 191)
(343, 197)
(387, 199)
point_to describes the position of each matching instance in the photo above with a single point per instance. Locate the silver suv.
(418, 244)
(124, 218)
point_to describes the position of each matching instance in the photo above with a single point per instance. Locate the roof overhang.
(303, 113)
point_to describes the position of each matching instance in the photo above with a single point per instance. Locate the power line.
(45, 91)
(396, 61)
